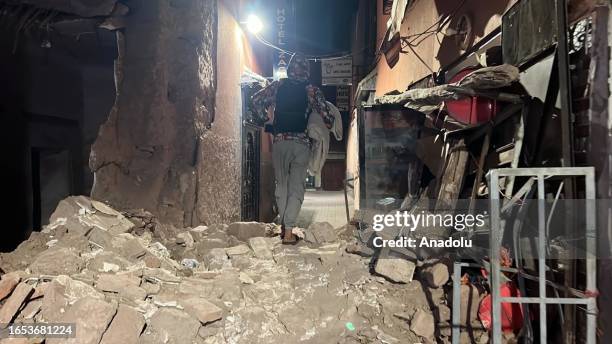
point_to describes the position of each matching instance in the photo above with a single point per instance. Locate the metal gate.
(251, 148)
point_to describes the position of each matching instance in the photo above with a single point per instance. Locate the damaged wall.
(219, 173)
(149, 154)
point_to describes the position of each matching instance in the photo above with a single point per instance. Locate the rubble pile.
(125, 278)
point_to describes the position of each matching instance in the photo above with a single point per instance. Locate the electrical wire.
(309, 57)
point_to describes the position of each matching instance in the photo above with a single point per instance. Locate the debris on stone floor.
(124, 277)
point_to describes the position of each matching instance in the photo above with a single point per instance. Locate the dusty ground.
(216, 284)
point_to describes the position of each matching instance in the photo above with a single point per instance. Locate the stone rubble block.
(115, 283)
(125, 328)
(80, 213)
(396, 269)
(13, 303)
(91, 317)
(423, 324)
(237, 250)
(436, 275)
(245, 230)
(320, 233)
(202, 309)
(185, 239)
(170, 325)
(8, 283)
(57, 261)
(260, 247)
(216, 259)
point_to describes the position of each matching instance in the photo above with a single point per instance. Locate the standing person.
(292, 99)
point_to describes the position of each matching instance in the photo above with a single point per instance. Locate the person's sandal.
(289, 238)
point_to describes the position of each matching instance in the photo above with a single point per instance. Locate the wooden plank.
(453, 176)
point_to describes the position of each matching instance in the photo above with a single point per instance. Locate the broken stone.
(116, 283)
(31, 309)
(260, 248)
(216, 259)
(39, 290)
(91, 317)
(470, 299)
(244, 278)
(107, 261)
(151, 288)
(8, 283)
(396, 269)
(171, 326)
(151, 261)
(360, 250)
(202, 310)
(237, 250)
(54, 303)
(100, 237)
(14, 302)
(81, 213)
(161, 275)
(246, 230)
(200, 229)
(74, 290)
(320, 232)
(133, 293)
(125, 327)
(57, 261)
(132, 249)
(422, 324)
(436, 275)
(186, 239)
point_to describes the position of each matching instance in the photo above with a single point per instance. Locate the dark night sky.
(322, 27)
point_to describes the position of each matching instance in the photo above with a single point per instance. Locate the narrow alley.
(306, 171)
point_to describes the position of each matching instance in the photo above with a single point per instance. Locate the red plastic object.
(471, 110)
(512, 313)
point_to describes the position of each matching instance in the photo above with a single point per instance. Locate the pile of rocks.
(123, 278)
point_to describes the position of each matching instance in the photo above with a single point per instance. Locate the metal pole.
(456, 311)
(495, 246)
(542, 256)
(591, 258)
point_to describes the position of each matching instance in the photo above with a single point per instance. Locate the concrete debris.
(57, 261)
(202, 310)
(217, 284)
(171, 326)
(115, 283)
(360, 250)
(320, 233)
(470, 299)
(237, 250)
(436, 275)
(246, 230)
(422, 324)
(260, 248)
(13, 303)
(80, 213)
(125, 328)
(91, 317)
(185, 239)
(396, 269)
(216, 259)
(8, 283)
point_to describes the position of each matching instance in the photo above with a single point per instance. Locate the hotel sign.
(285, 28)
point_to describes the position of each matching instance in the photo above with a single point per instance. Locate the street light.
(254, 24)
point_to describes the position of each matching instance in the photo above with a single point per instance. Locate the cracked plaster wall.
(157, 150)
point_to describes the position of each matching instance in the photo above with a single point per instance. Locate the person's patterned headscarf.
(298, 68)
